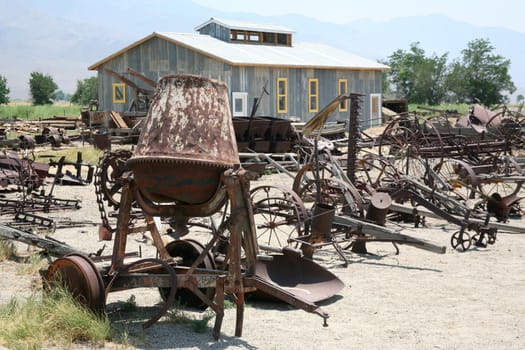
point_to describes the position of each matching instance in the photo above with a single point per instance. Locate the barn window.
(375, 109)
(313, 95)
(282, 95)
(343, 90)
(240, 104)
(119, 93)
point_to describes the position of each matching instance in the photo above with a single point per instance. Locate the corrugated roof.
(248, 26)
(300, 55)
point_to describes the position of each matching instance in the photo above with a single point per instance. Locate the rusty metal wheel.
(111, 167)
(79, 275)
(189, 250)
(375, 173)
(460, 241)
(499, 178)
(279, 215)
(411, 144)
(455, 178)
(333, 188)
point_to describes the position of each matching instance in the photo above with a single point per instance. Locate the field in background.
(25, 111)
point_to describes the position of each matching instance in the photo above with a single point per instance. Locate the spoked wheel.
(460, 241)
(408, 140)
(328, 189)
(376, 173)
(78, 275)
(305, 178)
(279, 215)
(189, 250)
(490, 183)
(455, 178)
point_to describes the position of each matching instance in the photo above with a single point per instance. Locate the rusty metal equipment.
(339, 216)
(185, 166)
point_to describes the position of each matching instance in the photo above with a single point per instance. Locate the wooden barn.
(298, 79)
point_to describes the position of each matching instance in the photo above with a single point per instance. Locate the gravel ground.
(414, 300)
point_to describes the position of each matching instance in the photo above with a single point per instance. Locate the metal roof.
(248, 26)
(299, 55)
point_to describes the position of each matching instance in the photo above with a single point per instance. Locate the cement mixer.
(186, 165)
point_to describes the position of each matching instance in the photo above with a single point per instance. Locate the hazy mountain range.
(62, 38)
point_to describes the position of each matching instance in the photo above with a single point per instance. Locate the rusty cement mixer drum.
(187, 141)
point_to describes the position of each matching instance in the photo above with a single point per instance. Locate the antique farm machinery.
(185, 166)
(323, 207)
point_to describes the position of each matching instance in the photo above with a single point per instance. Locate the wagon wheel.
(279, 215)
(376, 173)
(502, 166)
(333, 190)
(412, 144)
(460, 241)
(455, 178)
(78, 275)
(189, 250)
(306, 176)
(111, 167)
(504, 125)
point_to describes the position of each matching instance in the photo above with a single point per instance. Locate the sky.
(503, 13)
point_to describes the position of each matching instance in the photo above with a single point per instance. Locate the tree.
(62, 96)
(520, 98)
(87, 90)
(416, 77)
(4, 91)
(480, 75)
(42, 88)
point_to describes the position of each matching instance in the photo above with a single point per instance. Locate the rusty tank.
(187, 142)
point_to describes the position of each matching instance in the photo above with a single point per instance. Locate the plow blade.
(382, 234)
(295, 280)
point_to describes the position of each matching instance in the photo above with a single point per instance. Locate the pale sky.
(502, 13)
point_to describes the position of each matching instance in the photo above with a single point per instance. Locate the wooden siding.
(157, 57)
(216, 31)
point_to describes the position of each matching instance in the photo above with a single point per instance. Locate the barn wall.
(157, 57)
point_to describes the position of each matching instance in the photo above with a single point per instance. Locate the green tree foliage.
(480, 75)
(87, 90)
(42, 88)
(62, 96)
(4, 91)
(418, 78)
(520, 98)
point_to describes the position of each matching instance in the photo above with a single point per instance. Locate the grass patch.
(7, 250)
(33, 264)
(461, 108)
(199, 325)
(26, 111)
(53, 318)
(90, 154)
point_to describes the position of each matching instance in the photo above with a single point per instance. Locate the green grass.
(7, 250)
(49, 319)
(26, 111)
(197, 324)
(460, 108)
(90, 154)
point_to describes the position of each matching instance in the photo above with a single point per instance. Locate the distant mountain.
(62, 40)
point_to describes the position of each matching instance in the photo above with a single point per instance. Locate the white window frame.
(375, 119)
(243, 96)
